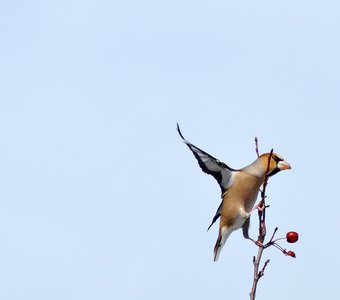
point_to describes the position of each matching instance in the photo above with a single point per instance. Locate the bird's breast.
(243, 193)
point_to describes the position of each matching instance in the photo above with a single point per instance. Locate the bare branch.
(262, 231)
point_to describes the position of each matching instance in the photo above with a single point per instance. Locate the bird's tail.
(222, 238)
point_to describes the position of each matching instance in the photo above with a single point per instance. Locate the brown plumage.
(239, 189)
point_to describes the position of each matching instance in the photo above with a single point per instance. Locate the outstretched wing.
(210, 165)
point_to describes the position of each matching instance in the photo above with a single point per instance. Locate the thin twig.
(271, 241)
(262, 230)
(257, 147)
(264, 267)
(256, 273)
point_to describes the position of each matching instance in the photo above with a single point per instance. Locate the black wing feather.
(210, 165)
(217, 215)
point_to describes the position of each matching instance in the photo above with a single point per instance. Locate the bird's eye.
(276, 158)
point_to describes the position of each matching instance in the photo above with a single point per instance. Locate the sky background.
(99, 197)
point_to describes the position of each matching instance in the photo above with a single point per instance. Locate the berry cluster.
(291, 237)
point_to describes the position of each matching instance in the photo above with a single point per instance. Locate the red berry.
(291, 253)
(292, 237)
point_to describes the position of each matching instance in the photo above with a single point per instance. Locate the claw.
(259, 207)
(257, 243)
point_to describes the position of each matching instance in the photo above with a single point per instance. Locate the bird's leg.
(245, 230)
(259, 206)
(257, 243)
(245, 227)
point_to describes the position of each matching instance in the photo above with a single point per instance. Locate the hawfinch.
(239, 189)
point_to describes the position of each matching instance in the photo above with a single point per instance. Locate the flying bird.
(239, 189)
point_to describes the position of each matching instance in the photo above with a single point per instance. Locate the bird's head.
(276, 163)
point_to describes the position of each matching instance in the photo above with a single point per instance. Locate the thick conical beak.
(283, 165)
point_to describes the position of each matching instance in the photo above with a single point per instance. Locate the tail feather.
(217, 248)
(222, 238)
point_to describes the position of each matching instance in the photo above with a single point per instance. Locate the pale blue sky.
(100, 199)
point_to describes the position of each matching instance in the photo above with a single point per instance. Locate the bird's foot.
(259, 206)
(257, 243)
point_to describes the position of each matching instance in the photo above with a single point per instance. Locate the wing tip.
(179, 132)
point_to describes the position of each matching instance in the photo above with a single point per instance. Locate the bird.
(239, 189)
